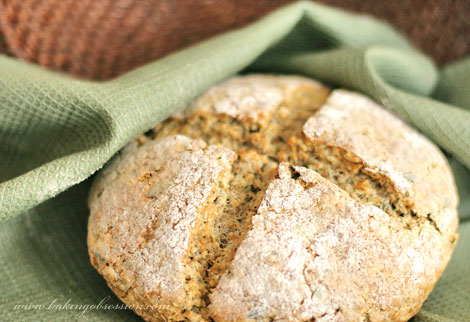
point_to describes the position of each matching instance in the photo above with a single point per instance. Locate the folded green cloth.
(56, 131)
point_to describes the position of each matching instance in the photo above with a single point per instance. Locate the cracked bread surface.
(314, 253)
(266, 165)
(390, 151)
(144, 207)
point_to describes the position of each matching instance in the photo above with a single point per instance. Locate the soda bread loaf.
(273, 198)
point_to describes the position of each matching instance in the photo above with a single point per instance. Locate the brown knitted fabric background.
(3, 45)
(103, 38)
(441, 28)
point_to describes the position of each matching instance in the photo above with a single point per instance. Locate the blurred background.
(99, 39)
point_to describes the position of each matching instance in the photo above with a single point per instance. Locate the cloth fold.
(56, 131)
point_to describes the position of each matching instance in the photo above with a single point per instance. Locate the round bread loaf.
(272, 198)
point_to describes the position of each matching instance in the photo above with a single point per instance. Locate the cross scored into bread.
(271, 198)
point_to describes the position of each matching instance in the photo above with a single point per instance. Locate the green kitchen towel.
(56, 131)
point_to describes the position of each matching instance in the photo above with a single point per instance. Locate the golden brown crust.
(142, 210)
(388, 147)
(359, 224)
(254, 98)
(315, 253)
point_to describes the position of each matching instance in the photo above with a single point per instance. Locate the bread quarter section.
(405, 167)
(144, 208)
(314, 253)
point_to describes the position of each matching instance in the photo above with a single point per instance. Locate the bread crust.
(143, 208)
(350, 214)
(388, 147)
(315, 253)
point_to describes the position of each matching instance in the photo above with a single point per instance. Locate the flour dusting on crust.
(252, 97)
(314, 253)
(390, 148)
(147, 226)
